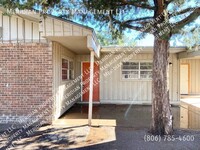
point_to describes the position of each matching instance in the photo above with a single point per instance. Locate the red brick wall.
(25, 82)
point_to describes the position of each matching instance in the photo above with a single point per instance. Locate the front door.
(184, 81)
(86, 82)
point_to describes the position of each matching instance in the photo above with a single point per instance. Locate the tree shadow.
(133, 139)
(125, 137)
(46, 137)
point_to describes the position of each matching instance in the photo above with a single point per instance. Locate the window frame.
(68, 69)
(139, 71)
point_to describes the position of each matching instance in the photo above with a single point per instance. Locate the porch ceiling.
(189, 55)
(77, 44)
(195, 57)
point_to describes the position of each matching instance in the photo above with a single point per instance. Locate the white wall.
(60, 87)
(18, 29)
(57, 27)
(115, 90)
(194, 65)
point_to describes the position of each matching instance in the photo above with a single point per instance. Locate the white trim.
(138, 79)
(189, 55)
(138, 72)
(147, 60)
(178, 80)
(66, 57)
(133, 102)
(69, 59)
(91, 87)
(124, 102)
(92, 45)
(145, 49)
(191, 94)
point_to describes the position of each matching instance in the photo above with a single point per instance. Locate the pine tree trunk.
(161, 109)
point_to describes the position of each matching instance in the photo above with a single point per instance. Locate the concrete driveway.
(98, 138)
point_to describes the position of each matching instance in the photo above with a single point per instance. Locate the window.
(67, 69)
(136, 70)
(145, 70)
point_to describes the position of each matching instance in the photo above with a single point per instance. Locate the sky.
(176, 41)
(149, 39)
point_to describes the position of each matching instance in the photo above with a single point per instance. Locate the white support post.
(91, 87)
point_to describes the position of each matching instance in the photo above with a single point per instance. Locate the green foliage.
(29, 4)
(192, 38)
(116, 16)
(106, 39)
(137, 14)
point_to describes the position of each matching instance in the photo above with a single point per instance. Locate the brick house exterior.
(32, 49)
(26, 82)
(41, 65)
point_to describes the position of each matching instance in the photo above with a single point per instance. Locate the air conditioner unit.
(1, 32)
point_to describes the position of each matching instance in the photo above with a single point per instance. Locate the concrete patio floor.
(190, 111)
(135, 116)
(123, 127)
(191, 100)
(98, 138)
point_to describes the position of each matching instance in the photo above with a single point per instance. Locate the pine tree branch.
(182, 12)
(179, 25)
(167, 2)
(141, 29)
(138, 19)
(136, 4)
(127, 25)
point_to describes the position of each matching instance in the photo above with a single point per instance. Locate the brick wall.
(25, 82)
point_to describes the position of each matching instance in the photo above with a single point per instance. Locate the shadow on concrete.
(45, 137)
(130, 139)
(132, 125)
(135, 116)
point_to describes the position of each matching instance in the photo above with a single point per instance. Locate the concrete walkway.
(100, 138)
(116, 127)
(134, 116)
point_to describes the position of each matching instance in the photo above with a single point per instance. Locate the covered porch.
(190, 89)
(71, 43)
(128, 116)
